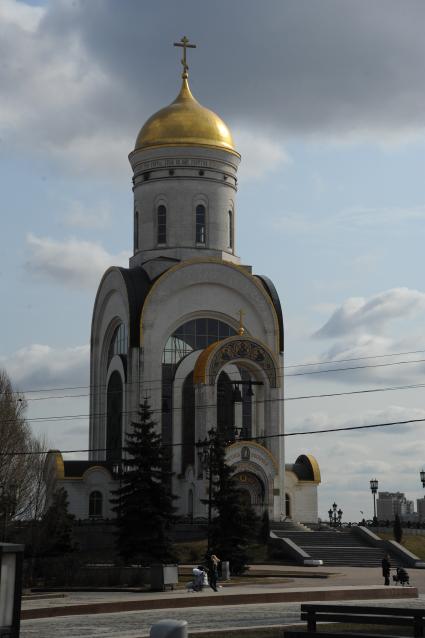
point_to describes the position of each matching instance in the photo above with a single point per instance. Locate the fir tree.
(144, 502)
(397, 529)
(235, 523)
(264, 535)
(56, 527)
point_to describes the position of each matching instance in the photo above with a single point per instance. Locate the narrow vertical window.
(162, 225)
(231, 229)
(200, 224)
(96, 504)
(136, 230)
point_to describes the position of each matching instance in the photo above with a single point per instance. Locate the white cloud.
(348, 460)
(363, 217)
(40, 366)
(322, 420)
(81, 216)
(371, 316)
(73, 263)
(20, 14)
(261, 155)
(351, 219)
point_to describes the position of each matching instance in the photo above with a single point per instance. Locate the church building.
(190, 326)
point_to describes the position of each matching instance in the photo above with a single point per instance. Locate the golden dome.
(185, 122)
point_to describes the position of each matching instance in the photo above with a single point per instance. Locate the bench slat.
(364, 609)
(362, 619)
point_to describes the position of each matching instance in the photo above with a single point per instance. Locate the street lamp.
(205, 462)
(335, 516)
(374, 489)
(422, 475)
(8, 503)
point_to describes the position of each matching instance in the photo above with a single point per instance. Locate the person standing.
(213, 571)
(386, 566)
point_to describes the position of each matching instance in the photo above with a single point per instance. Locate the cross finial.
(241, 330)
(184, 42)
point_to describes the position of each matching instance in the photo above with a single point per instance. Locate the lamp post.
(422, 475)
(374, 489)
(8, 502)
(335, 516)
(205, 463)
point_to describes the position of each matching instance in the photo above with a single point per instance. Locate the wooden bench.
(362, 614)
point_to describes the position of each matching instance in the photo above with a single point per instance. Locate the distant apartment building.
(391, 503)
(420, 506)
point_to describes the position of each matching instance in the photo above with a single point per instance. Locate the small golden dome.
(185, 122)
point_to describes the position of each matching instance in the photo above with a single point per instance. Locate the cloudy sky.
(326, 103)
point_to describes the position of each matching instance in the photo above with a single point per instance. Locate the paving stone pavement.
(137, 624)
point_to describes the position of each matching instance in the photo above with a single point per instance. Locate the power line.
(374, 365)
(253, 438)
(317, 363)
(312, 396)
(70, 417)
(375, 356)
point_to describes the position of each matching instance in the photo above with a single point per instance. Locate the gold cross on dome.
(241, 330)
(184, 42)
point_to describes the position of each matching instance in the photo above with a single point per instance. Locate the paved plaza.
(135, 624)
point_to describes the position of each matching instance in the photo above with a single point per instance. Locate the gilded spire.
(184, 42)
(241, 330)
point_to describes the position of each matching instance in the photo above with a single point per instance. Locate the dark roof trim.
(138, 285)
(76, 469)
(272, 292)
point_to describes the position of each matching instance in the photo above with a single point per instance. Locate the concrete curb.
(193, 600)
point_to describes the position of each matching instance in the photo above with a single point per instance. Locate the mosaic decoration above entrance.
(233, 350)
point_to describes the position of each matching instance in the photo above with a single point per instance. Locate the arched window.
(190, 504)
(287, 505)
(231, 229)
(118, 344)
(225, 406)
(161, 225)
(95, 504)
(200, 224)
(194, 335)
(136, 230)
(114, 405)
(188, 421)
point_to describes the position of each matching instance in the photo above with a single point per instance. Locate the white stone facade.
(188, 326)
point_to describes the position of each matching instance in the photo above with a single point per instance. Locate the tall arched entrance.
(114, 417)
(252, 490)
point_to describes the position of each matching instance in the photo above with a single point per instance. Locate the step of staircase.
(336, 547)
(291, 526)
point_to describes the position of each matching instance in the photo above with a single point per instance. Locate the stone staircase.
(335, 547)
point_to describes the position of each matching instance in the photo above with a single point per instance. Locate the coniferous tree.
(264, 535)
(397, 529)
(144, 502)
(56, 527)
(235, 523)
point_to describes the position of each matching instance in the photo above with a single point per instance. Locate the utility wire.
(310, 396)
(253, 438)
(70, 417)
(318, 363)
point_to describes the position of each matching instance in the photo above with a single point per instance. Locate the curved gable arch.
(230, 350)
(235, 278)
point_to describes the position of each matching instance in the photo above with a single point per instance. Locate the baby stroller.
(401, 576)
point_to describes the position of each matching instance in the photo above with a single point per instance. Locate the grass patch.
(412, 542)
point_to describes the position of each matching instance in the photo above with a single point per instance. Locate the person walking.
(386, 567)
(213, 571)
